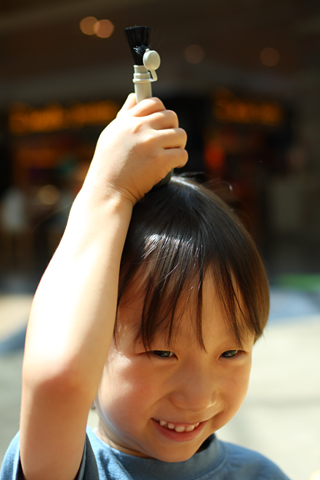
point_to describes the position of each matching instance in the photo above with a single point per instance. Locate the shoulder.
(248, 464)
(98, 461)
(11, 466)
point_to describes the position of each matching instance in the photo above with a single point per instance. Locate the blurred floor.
(14, 311)
(280, 416)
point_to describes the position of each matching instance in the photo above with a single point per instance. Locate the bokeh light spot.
(104, 28)
(48, 195)
(87, 25)
(194, 54)
(269, 57)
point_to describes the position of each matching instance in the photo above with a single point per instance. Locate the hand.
(136, 151)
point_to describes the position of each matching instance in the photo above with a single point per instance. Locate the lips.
(178, 427)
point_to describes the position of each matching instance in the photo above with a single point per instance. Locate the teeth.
(178, 428)
(190, 428)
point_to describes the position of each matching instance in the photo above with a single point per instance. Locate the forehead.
(218, 319)
(186, 321)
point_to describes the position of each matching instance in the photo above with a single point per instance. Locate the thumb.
(128, 104)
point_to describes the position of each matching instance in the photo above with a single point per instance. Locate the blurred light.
(240, 110)
(48, 195)
(223, 92)
(214, 155)
(87, 25)
(26, 119)
(103, 28)
(194, 54)
(269, 57)
(315, 475)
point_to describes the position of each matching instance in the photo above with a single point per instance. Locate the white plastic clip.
(151, 60)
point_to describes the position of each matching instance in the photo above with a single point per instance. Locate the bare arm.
(72, 318)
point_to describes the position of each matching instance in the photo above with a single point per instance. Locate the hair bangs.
(169, 282)
(178, 235)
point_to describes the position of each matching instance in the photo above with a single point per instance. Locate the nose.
(195, 390)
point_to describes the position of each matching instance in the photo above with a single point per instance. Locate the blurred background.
(244, 78)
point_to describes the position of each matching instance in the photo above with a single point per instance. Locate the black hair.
(178, 234)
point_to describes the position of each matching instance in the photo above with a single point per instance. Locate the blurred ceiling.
(45, 56)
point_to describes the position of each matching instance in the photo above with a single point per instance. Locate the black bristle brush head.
(139, 41)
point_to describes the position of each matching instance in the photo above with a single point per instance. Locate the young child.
(150, 307)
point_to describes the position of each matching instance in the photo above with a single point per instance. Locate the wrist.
(96, 223)
(92, 204)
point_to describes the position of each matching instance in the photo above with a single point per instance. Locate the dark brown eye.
(163, 353)
(230, 353)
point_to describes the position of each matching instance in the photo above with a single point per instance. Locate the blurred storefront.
(239, 145)
(243, 77)
(49, 151)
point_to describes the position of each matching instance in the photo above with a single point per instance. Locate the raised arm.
(72, 317)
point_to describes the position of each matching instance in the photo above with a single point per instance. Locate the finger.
(172, 138)
(176, 157)
(163, 120)
(128, 104)
(148, 107)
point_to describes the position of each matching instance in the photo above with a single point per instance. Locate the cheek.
(237, 389)
(233, 393)
(127, 389)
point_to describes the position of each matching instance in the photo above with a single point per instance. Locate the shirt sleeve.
(88, 468)
(11, 467)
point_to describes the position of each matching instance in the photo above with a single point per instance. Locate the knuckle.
(158, 103)
(183, 136)
(183, 158)
(184, 133)
(173, 117)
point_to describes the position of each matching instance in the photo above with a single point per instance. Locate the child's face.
(166, 404)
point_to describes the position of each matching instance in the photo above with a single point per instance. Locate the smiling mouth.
(178, 427)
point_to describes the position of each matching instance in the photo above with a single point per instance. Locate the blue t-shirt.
(216, 461)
